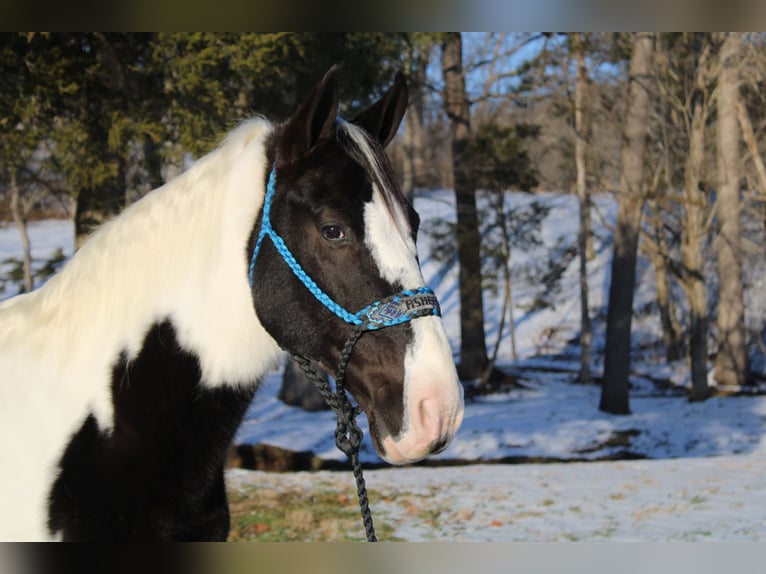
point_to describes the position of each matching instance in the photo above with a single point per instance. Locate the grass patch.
(322, 514)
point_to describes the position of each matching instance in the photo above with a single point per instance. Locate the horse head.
(336, 236)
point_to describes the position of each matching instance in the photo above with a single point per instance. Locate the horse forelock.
(371, 156)
(387, 221)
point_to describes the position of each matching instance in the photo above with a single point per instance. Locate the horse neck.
(177, 254)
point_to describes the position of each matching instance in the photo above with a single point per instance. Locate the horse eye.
(333, 233)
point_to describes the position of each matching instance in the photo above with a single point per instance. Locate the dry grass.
(322, 514)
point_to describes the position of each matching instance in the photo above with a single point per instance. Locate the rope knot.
(348, 435)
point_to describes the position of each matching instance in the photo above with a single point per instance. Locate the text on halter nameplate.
(402, 309)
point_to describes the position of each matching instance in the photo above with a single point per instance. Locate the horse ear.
(314, 119)
(382, 118)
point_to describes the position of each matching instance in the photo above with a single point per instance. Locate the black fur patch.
(158, 475)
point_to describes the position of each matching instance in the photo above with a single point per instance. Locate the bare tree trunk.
(582, 137)
(20, 219)
(693, 234)
(414, 133)
(507, 308)
(508, 303)
(507, 281)
(473, 348)
(152, 165)
(614, 392)
(670, 330)
(749, 137)
(731, 364)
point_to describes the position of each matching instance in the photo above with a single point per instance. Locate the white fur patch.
(179, 253)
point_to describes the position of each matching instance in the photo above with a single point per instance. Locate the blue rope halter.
(393, 310)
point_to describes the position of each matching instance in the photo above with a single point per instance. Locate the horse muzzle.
(430, 425)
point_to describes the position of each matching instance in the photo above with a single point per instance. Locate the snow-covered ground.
(688, 499)
(702, 479)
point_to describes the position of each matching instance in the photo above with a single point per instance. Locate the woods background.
(671, 124)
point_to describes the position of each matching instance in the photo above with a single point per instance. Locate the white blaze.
(433, 395)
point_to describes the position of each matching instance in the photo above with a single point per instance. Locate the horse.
(125, 376)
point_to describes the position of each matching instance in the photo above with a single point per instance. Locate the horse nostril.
(438, 445)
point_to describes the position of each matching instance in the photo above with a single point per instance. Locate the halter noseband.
(393, 310)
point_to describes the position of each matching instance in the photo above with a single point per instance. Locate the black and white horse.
(124, 378)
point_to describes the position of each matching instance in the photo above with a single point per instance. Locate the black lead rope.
(348, 435)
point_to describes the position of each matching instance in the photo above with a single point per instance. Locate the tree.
(748, 135)
(213, 79)
(21, 126)
(500, 163)
(685, 66)
(582, 139)
(100, 105)
(473, 349)
(731, 363)
(413, 166)
(614, 392)
(694, 230)
(20, 208)
(658, 240)
(658, 251)
(30, 97)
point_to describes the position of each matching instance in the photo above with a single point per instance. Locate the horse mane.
(177, 253)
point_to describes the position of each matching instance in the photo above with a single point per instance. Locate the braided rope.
(348, 435)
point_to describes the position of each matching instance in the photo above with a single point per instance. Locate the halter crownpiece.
(393, 310)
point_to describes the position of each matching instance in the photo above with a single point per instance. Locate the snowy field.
(704, 477)
(701, 473)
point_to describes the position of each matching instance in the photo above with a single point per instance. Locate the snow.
(552, 418)
(46, 237)
(701, 477)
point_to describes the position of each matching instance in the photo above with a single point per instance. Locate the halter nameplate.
(393, 310)
(400, 308)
